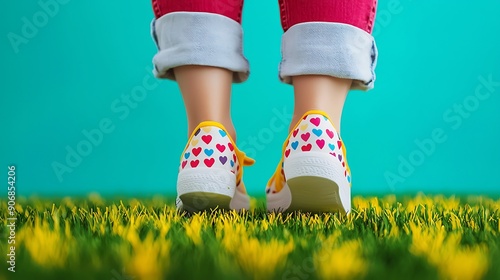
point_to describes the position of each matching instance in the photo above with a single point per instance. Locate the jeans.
(321, 37)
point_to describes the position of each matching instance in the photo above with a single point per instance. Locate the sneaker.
(211, 171)
(313, 174)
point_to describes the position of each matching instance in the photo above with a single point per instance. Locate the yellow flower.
(344, 261)
(194, 228)
(360, 203)
(444, 251)
(150, 258)
(46, 246)
(260, 259)
(374, 203)
(264, 224)
(468, 263)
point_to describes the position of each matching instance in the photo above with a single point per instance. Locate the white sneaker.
(211, 173)
(313, 174)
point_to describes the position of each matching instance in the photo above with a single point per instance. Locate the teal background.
(66, 78)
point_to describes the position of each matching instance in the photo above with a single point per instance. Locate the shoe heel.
(203, 189)
(315, 184)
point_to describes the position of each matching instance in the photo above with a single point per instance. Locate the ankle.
(319, 92)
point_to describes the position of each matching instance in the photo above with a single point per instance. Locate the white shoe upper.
(211, 163)
(317, 147)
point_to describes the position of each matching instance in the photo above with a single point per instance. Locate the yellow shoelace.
(277, 178)
(243, 161)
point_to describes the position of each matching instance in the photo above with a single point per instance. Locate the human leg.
(327, 50)
(200, 46)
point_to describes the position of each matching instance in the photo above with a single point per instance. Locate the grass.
(420, 237)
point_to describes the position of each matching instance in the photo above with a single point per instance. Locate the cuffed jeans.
(321, 37)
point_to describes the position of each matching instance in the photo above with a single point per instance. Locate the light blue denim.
(312, 48)
(194, 38)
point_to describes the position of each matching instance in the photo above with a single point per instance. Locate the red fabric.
(229, 8)
(359, 13)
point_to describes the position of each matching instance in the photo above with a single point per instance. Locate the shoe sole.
(314, 186)
(207, 189)
(314, 194)
(202, 201)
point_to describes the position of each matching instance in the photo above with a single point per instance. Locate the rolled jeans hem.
(198, 38)
(332, 49)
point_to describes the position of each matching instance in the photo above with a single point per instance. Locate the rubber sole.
(207, 189)
(315, 195)
(317, 184)
(202, 201)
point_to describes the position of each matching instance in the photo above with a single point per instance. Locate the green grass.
(417, 237)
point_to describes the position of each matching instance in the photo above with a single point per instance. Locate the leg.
(327, 50)
(204, 76)
(209, 97)
(320, 85)
(320, 92)
(200, 46)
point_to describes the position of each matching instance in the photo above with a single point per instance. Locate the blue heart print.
(209, 152)
(317, 132)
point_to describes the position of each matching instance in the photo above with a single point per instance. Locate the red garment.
(359, 13)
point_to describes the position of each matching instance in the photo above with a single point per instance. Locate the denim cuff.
(333, 49)
(195, 38)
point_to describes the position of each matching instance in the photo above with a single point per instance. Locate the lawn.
(419, 237)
